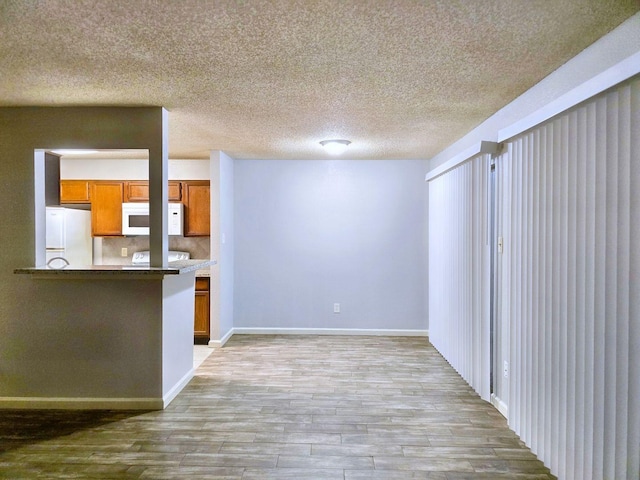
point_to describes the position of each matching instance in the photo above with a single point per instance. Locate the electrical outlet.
(505, 369)
(336, 308)
(124, 252)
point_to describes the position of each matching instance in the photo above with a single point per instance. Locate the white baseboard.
(68, 403)
(177, 388)
(91, 403)
(222, 341)
(330, 331)
(316, 331)
(500, 405)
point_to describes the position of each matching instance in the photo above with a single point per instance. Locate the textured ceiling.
(270, 79)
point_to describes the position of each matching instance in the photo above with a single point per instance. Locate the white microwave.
(135, 219)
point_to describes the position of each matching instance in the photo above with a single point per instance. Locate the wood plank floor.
(286, 407)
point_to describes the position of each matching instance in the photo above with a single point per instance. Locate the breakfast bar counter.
(117, 271)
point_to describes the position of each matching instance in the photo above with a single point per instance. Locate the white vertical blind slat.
(534, 356)
(611, 310)
(622, 285)
(633, 394)
(563, 303)
(546, 452)
(572, 244)
(525, 362)
(580, 293)
(599, 280)
(554, 223)
(590, 229)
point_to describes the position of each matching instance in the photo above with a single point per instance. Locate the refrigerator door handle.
(63, 260)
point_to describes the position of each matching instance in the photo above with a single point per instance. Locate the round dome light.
(335, 147)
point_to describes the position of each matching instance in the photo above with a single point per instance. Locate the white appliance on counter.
(135, 218)
(143, 258)
(68, 236)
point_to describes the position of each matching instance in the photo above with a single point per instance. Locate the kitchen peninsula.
(101, 337)
(142, 348)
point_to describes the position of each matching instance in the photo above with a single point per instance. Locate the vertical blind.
(570, 286)
(459, 270)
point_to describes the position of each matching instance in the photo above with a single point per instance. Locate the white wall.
(222, 247)
(309, 234)
(129, 169)
(227, 244)
(614, 47)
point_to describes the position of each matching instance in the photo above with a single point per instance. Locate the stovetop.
(142, 258)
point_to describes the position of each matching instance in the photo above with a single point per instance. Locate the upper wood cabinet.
(106, 208)
(175, 191)
(75, 191)
(106, 197)
(138, 191)
(197, 208)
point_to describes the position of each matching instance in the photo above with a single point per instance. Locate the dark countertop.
(204, 272)
(119, 271)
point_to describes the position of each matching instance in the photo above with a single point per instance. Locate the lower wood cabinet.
(201, 326)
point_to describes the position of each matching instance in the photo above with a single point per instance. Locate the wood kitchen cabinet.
(197, 208)
(201, 327)
(106, 208)
(138, 191)
(75, 191)
(106, 197)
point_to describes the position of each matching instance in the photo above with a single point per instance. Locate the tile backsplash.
(198, 247)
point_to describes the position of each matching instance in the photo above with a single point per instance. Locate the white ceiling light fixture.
(335, 147)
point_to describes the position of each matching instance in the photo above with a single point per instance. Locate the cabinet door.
(197, 208)
(75, 191)
(175, 191)
(138, 191)
(106, 208)
(201, 330)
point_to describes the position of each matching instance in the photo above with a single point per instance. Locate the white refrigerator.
(68, 234)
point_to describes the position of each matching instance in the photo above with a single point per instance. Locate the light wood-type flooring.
(286, 407)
